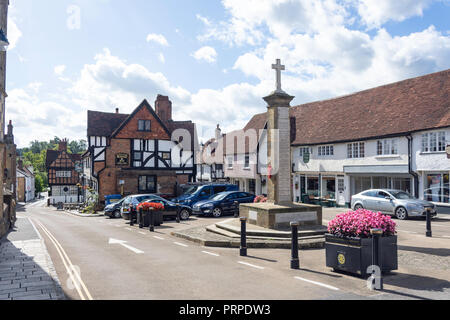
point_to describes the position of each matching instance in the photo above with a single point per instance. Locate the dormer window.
(144, 125)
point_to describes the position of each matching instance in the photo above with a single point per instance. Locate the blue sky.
(212, 58)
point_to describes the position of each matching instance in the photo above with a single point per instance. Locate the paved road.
(116, 261)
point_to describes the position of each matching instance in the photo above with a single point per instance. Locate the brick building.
(142, 152)
(62, 177)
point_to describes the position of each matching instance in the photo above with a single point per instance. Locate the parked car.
(222, 203)
(203, 192)
(130, 203)
(113, 210)
(170, 209)
(393, 202)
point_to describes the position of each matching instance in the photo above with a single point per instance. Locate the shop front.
(436, 187)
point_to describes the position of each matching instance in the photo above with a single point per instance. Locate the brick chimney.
(117, 110)
(218, 133)
(10, 129)
(63, 145)
(163, 108)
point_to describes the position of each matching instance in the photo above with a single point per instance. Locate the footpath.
(26, 269)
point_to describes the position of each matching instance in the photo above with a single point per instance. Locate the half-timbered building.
(142, 152)
(62, 176)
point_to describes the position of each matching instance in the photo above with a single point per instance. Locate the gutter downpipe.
(411, 172)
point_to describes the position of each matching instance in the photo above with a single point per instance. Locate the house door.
(340, 194)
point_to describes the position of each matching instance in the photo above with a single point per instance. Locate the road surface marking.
(211, 254)
(123, 244)
(446, 236)
(181, 244)
(71, 270)
(142, 233)
(159, 238)
(251, 265)
(317, 283)
(129, 229)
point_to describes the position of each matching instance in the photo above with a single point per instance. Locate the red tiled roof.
(407, 106)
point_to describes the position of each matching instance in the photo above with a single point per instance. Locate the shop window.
(437, 188)
(313, 186)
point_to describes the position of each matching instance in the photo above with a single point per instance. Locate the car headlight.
(208, 205)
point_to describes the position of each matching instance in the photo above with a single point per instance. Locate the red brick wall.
(118, 146)
(131, 128)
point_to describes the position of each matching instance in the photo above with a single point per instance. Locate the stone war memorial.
(279, 210)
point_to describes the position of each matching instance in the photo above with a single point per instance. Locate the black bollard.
(236, 209)
(131, 216)
(376, 234)
(295, 262)
(152, 221)
(178, 213)
(429, 234)
(141, 217)
(243, 250)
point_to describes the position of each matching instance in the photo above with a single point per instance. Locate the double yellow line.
(78, 283)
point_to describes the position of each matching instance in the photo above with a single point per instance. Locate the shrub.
(359, 223)
(259, 199)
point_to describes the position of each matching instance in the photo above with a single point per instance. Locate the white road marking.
(159, 238)
(251, 265)
(412, 232)
(446, 236)
(142, 233)
(123, 244)
(129, 229)
(318, 283)
(71, 270)
(211, 254)
(181, 244)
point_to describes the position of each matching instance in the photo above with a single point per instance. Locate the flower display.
(359, 223)
(147, 205)
(259, 199)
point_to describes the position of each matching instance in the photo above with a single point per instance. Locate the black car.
(113, 210)
(222, 203)
(170, 209)
(130, 203)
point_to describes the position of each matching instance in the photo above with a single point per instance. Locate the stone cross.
(278, 67)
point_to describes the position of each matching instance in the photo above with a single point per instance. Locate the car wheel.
(358, 206)
(116, 214)
(184, 214)
(401, 213)
(217, 213)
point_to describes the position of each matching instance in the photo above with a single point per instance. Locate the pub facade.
(139, 153)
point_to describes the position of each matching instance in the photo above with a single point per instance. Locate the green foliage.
(36, 154)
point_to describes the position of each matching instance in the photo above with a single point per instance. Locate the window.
(387, 147)
(230, 162)
(433, 142)
(219, 189)
(144, 125)
(63, 174)
(437, 188)
(356, 150)
(147, 184)
(326, 150)
(247, 161)
(305, 150)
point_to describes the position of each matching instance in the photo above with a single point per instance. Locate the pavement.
(26, 269)
(109, 259)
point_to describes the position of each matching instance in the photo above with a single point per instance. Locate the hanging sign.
(122, 159)
(448, 151)
(306, 157)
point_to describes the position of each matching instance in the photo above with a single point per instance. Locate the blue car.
(203, 192)
(222, 203)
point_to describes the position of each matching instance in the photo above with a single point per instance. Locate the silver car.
(393, 202)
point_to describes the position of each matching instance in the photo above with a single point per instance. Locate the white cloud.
(374, 13)
(14, 33)
(59, 70)
(157, 38)
(161, 58)
(206, 53)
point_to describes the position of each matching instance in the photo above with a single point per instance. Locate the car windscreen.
(402, 195)
(192, 190)
(218, 197)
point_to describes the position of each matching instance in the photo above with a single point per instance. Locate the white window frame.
(356, 150)
(433, 142)
(304, 150)
(387, 147)
(324, 151)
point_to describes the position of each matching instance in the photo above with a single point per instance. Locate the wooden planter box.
(157, 216)
(355, 254)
